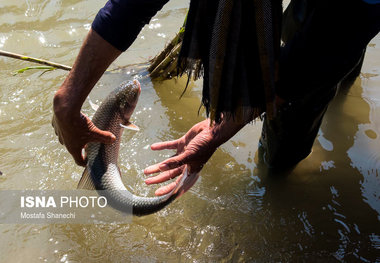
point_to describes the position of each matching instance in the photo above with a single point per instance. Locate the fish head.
(127, 98)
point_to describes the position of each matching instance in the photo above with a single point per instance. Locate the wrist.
(66, 106)
(95, 56)
(226, 129)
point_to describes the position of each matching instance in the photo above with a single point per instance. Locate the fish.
(102, 172)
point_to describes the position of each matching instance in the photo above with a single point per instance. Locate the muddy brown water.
(327, 209)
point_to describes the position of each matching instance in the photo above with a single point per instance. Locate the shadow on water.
(319, 210)
(326, 209)
(238, 210)
(316, 211)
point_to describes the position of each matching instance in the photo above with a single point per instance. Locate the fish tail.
(86, 181)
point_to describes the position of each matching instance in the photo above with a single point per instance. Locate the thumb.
(97, 135)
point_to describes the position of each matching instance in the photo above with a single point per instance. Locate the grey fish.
(102, 171)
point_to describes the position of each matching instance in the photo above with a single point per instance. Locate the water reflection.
(326, 209)
(321, 200)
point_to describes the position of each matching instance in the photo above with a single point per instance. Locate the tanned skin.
(75, 130)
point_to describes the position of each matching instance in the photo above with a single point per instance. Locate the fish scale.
(102, 172)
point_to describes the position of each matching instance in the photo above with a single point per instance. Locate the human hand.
(75, 130)
(193, 149)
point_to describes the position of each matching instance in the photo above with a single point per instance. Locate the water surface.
(327, 209)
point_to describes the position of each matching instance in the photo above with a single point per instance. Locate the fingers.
(152, 169)
(168, 188)
(97, 135)
(78, 157)
(103, 136)
(165, 176)
(171, 163)
(175, 161)
(160, 167)
(188, 183)
(165, 189)
(164, 145)
(78, 130)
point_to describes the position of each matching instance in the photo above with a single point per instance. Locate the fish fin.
(94, 106)
(130, 126)
(86, 181)
(186, 182)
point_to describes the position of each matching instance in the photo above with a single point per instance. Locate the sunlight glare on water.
(327, 209)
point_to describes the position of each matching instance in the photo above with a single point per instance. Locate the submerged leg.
(323, 46)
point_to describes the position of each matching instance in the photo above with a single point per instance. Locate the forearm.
(227, 128)
(114, 29)
(123, 19)
(94, 57)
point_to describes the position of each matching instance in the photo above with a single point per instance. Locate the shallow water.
(327, 209)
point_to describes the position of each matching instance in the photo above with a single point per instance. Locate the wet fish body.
(102, 172)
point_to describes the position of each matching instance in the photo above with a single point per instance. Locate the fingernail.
(147, 181)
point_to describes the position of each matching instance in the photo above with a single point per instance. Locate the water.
(327, 209)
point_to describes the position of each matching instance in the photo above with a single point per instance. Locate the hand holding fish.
(75, 130)
(194, 149)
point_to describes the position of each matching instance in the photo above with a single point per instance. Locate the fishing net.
(235, 46)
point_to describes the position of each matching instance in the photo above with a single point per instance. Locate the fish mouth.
(136, 85)
(129, 99)
(136, 91)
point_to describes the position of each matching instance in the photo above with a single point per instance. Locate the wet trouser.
(324, 43)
